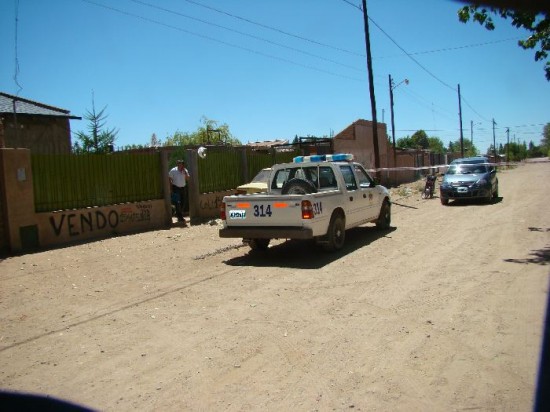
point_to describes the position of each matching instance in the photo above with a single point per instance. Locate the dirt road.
(442, 312)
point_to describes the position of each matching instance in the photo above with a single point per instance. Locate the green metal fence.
(223, 170)
(220, 170)
(66, 181)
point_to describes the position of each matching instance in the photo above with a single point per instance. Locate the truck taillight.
(222, 211)
(307, 210)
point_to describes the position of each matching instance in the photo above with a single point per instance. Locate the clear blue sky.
(272, 69)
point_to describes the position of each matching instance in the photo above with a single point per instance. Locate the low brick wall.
(209, 204)
(69, 226)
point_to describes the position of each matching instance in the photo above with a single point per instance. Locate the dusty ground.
(443, 312)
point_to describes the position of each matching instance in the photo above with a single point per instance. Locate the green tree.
(98, 139)
(420, 140)
(155, 141)
(209, 133)
(545, 141)
(405, 143)
(537, 23)
(469, 148)
(436, 145)
(515, 151)
(534, 150)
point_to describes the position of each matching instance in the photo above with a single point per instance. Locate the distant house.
(36, 126)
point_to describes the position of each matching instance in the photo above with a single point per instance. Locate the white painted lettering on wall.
(84, 221)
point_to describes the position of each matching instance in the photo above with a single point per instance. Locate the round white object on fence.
(202, 152)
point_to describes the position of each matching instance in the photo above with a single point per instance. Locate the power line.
(425, 69)
(220, 41)
(244, 34)
(466, 46)
(353, 5)
(410, 56)
(274, 29)
(16, 68)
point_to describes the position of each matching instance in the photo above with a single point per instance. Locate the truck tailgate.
(262, 211)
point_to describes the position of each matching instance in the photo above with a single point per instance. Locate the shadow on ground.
(308, 255)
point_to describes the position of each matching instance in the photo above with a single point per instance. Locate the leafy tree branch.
(536, 23)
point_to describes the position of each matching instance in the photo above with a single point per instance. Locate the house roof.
(268, 143)
(26, 106)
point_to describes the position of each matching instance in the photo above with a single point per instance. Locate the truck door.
(361, 194)
(369, 196)
(353, 203)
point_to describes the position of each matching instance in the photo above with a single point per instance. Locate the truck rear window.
(321, 176)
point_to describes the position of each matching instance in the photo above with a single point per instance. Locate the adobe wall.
(358, 139)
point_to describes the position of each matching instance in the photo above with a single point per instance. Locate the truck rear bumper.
(267, 232)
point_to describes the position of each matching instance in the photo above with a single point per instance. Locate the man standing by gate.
(178, 177)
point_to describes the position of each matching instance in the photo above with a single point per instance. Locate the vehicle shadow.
(539, 257)
(306, 254)
(478, 202)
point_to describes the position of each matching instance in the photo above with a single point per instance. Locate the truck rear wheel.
(258, 244)
(336, 234)
(298, 186)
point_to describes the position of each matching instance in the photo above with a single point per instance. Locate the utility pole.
(393, 86)
(472, 133)
(460, 118)
(508, 145)
(392, 123)
(371, 90)
(494, 141)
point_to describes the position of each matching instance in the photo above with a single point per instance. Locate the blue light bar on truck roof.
(337, 157)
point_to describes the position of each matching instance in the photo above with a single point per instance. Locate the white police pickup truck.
(315, 197)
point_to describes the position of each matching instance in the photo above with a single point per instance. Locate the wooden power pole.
(460, 122)
(371, 90)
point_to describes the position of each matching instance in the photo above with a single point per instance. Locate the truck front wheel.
(336, 234)
(384, 219)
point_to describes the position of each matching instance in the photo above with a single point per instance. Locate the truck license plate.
(237, 214)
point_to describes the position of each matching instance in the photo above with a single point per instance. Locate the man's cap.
(180, 161)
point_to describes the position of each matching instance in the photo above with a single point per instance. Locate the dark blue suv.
(469, 178)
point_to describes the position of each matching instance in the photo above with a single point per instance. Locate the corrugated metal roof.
(26, 106)
(267, 143)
